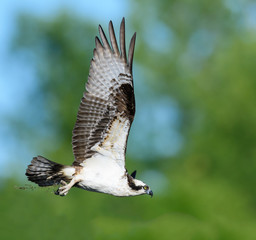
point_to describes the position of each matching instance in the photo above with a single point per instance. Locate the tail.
(45, 172)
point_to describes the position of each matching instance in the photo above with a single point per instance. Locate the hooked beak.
(150, 192)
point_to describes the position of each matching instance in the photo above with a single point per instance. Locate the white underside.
(105, 171)
(103, 174)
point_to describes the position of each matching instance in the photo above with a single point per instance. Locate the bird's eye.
(145, 187)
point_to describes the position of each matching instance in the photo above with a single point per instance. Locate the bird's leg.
(62, 182)
(63, 191)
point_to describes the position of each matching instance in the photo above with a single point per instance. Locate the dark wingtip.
(98, 43)
(134, 174)
(113, 38)
(131, 51)
(104, 38)
(102, 43)
(122, 40)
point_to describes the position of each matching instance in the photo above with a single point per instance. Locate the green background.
(201, 54)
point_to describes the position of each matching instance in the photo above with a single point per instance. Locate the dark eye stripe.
(132, 184)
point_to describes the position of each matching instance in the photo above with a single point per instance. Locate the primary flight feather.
(102, 127)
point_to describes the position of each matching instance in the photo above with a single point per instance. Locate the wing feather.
(122, 40)
(131, 51)
(104, 39)
(113, 38)
(107, 108)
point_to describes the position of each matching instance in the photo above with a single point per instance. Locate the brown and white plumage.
(101, 130)
(108, 103)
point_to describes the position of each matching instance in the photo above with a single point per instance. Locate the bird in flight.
(102, 127)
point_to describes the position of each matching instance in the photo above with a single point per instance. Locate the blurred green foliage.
(204, 58)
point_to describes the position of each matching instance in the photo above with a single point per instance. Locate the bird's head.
(138, 187)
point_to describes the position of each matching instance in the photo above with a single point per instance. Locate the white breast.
(103, 174)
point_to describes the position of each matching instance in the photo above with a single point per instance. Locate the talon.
(60, 193)
(57, 192)
(63, 191)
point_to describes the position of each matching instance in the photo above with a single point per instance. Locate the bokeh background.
(193, 138)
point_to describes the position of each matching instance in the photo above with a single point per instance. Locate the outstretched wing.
(107, 108)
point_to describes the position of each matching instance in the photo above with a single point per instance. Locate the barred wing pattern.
(107, 108)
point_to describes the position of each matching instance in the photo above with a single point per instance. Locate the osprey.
(101, 130)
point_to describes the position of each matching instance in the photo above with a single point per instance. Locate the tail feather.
(44, 172)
